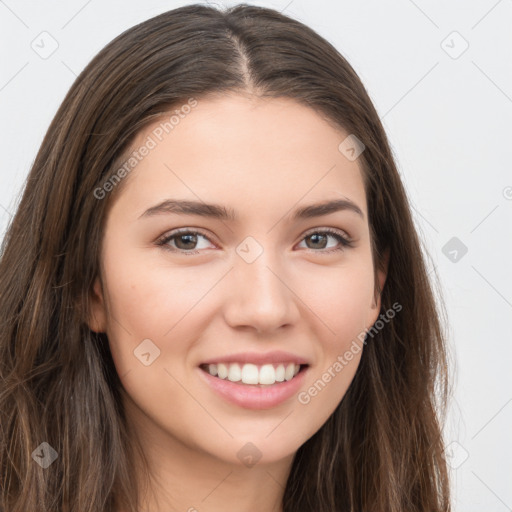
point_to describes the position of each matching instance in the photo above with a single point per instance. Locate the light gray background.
(448, 115)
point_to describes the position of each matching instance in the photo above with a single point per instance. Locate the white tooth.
(212, 369)
(288, 374)
(235, 373)
(280, 373)
(297, 368)
(267, 374)
(250, 374)
(222, 370)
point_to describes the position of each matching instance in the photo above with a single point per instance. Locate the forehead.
(244, 152)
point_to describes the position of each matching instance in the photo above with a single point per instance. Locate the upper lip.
(258, 358)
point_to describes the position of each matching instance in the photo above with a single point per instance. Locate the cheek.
(148, 300)
(341, 299)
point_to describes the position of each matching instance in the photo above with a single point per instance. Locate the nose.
(259, 295)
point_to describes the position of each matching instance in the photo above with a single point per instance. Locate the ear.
(98, 319)
(382, 273)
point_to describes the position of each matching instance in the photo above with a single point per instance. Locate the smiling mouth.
(254, 375)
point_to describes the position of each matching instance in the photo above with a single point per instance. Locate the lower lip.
(255, 397)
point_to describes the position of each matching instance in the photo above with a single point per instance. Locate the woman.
(212, 293)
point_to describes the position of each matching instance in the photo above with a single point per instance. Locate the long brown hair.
(382, 448)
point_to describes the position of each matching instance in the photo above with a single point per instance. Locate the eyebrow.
(215, 211)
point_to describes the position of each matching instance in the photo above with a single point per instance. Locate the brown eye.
(184, 242)
(187, 241)
(319, 241)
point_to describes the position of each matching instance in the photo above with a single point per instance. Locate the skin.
(263, 158)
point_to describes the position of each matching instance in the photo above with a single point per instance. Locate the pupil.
(190, 238)
(316, 236)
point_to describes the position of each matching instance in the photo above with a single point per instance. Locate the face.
(260, 282)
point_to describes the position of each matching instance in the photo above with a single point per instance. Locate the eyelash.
(164, 241)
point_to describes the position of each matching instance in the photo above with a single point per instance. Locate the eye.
(184, 240)
(320, 237)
